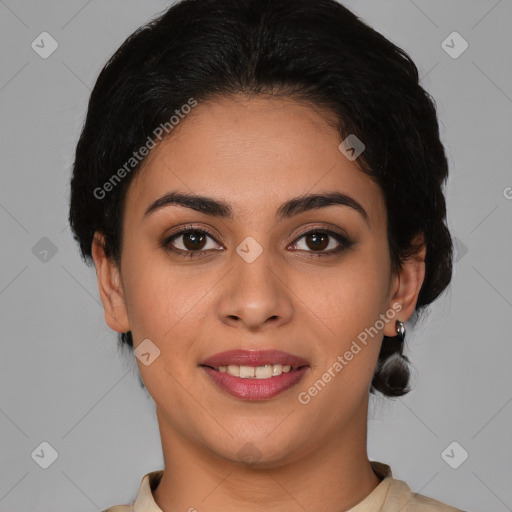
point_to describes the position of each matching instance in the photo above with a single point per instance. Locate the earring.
(400, 330)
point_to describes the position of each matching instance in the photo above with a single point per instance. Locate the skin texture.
(256, 153)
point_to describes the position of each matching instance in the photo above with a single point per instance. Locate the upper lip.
(254, 358)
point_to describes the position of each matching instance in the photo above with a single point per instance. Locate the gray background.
(63, 380)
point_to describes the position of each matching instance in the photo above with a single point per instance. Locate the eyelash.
(344, 242)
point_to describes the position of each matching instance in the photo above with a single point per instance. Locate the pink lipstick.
(255, 374)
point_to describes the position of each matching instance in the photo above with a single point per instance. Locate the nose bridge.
(254, 294)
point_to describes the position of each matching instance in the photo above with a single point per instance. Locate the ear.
(406, 285)
(110, 287)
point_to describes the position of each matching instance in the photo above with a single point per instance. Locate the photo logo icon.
(44, 250)
(460, 249)
(351, 147)
(44, 45)
(454, 455)
(44, 455)
(249, 454)
(249, 249)
(146, 352)
(454, 45)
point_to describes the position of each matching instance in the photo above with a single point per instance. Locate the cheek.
(168, 304)
(161, 304)
(349, 298)
(346, 306)
(167, 307)
(157, 296)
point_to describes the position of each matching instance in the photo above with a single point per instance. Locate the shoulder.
(421, 503)
(401, 495)
(119, 508)
(144, 500)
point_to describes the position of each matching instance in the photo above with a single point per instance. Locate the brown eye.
(191, 242)
(318, 241)
(194, 240)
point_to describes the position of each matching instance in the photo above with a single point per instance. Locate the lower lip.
(255, 389)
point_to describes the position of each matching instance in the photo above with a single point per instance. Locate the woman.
(259, 186)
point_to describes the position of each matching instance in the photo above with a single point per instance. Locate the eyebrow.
(221, 209)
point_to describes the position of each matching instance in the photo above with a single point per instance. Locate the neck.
(337, 474)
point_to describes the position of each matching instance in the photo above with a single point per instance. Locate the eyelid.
(323, 229)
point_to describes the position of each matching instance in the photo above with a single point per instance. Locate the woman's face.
(256, 281)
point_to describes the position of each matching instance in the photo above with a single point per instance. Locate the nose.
(255, 295)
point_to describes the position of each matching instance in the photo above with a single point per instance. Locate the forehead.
(254, 153)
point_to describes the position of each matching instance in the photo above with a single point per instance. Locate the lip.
(255, 389)
(254, 358)
(252, 388)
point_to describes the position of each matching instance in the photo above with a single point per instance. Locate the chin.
(260, 452)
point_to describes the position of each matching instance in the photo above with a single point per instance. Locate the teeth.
(250, 372)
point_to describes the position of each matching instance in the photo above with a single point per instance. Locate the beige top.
(390, 495)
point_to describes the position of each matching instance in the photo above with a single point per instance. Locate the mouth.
(255, 375)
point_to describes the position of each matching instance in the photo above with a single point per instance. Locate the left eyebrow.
(221, 209)
(316, 201)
